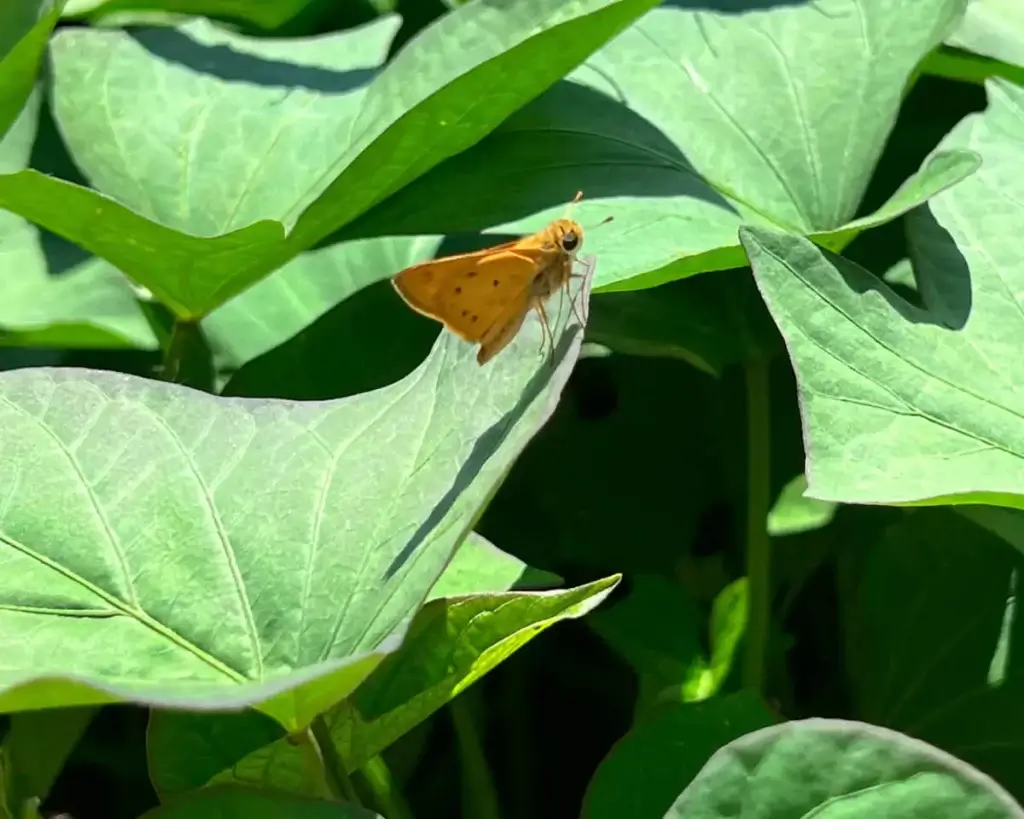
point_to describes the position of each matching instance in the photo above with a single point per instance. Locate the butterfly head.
(567, 235)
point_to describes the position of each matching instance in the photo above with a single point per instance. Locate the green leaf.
(53, 295)
(937, 652)
(823, 765)
(659, 130)
(665, 752)
(25, 27)
(228, 802)
(189, 275)
(233, 129)
(269, 14)
(290, 299)
(711, 322)
(940, 171)
(204, 179)
(38, 746)
(636, 628)
(902, 404)
(893, 403)
(793, 512)
(729, 617)
(965, 67)
(672, 663)
(992, 28)
(451, 85)
(186, 750)
(480, 567)
(450, 645)
(226, 160)
(284, 587)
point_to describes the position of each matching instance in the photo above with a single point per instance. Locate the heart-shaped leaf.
(221, 552)
(902, 404)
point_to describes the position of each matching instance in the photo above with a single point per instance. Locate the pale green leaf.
(793, 512)
(902, 404)
(182, 571)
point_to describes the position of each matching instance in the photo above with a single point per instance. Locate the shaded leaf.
(227, 802)
(807, 766)
(25, 27)
(936, 653)
(290, 299)
(665, 752)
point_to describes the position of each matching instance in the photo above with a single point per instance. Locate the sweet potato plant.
(745, 541)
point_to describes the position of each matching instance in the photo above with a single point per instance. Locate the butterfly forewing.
(469, 295)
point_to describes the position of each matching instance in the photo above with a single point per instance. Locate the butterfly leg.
(572, 300)
(547, 339)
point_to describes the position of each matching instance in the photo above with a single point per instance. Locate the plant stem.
(330, 768)
(758, 544)
(314, 763)
(515, 731)
(479, 797)
(376, 777)
(187, 358)
(176, 351)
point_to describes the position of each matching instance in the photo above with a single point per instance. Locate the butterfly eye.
(570, 241)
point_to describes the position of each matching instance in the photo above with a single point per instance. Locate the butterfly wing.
(472, 292)
(503, 330)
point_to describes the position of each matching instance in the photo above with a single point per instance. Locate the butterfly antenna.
(572, 204)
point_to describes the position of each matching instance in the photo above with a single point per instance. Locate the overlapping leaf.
(662, 130)
(936, 653)
(228, 801)
(666, 751)
(902, 404)
(992, 28)
(216, 552)
(53, 296)
(188, 751)
(25, 27)
(207, 145)
(306, 288)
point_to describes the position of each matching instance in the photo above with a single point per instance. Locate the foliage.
(273, 544)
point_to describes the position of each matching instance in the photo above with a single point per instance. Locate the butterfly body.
(484, 297)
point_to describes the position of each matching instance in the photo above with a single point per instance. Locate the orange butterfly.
(485, 296)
